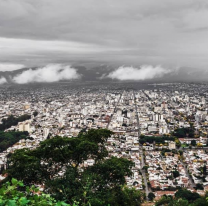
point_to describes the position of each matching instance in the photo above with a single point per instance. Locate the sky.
(171, 33)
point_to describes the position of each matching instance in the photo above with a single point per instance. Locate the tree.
(175, 173)
(184, 132)
(199, 186)
(145, 168)
(200, 202)
(35, 113)
(186, 194)
(151, 196)
(183, 197)
(13, 121)
(58, 163)
(7, 139)
(127, 197)
(199, 145)
(165, 200)
(180, 202)
(193, 143)
(15, 193)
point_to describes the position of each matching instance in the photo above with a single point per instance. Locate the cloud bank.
(145, 72)
(49, 73)
(10, 67)
(3, 80)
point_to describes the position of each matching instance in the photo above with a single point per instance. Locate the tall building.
(158, 117)
(45, 132)
(24, 126)
(27, 127)
(21, 127)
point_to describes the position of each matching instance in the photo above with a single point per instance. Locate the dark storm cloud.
(138, 32)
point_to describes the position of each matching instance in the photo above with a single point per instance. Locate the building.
(45, 132)
(24, 126)
(172, 145)
(26, 106)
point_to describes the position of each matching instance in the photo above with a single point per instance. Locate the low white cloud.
(10, 67)
(145, 72)
(3, 80)
(49, 73)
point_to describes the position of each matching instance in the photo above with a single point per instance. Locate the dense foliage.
(151, 196)
(183, 197)
(13, 121)
(184, 132)
(150, 139)
(7, 139)
(58, 163)
(15, 193)
(35, 113)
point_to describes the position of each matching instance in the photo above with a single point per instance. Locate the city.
(162, 128)
(103, 103)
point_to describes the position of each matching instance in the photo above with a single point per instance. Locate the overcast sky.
(173, 33)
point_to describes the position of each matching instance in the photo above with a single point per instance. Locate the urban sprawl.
(162, 128)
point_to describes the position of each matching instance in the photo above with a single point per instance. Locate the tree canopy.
(58, 163)
(150, 139)
(13, 121)
(184, 132)
(7, 139)
(183, 197)
(15, 193)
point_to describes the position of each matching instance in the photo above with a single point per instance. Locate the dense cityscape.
(161, 128)
(103, 103)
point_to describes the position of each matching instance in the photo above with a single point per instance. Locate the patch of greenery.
(13, 121)
(183, 197)
(15, 193)
(150, 139)
(7, 139)
(59, 164)
(184, 132)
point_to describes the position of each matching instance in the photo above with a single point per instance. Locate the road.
(192, 184)
(141, 151)
(137, 117)
(193, 148)
(114, 110)
(146, 95)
